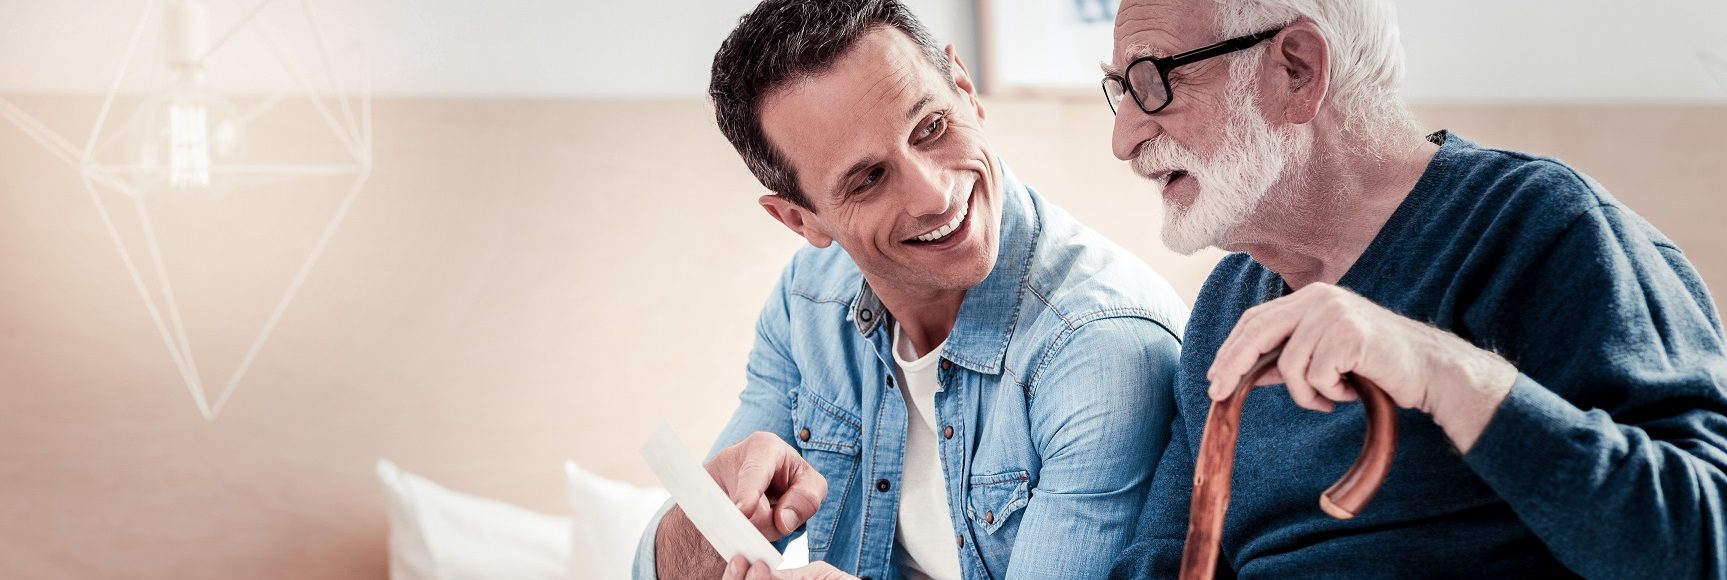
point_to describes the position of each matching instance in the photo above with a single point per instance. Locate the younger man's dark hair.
(786, 40)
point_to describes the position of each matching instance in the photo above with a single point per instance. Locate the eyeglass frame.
(1169, 63)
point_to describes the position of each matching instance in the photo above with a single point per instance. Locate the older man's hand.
(741, 569)
(1327, 331)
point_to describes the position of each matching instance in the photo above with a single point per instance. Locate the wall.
(448, 48)
(521, 282)
(1482, 51)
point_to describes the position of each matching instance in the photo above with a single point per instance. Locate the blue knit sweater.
(1608, 459)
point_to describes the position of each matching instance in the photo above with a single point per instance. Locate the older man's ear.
(1296, 73)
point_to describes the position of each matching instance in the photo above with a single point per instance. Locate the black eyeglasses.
(1148, 78)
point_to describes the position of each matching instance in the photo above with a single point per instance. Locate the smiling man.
(955, 379)
(1559, 360)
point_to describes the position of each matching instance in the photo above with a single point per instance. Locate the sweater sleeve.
(1612, 444)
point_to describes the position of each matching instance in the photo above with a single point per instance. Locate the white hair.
(1366, 57)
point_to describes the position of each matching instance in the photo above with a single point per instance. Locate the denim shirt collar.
(990, 310)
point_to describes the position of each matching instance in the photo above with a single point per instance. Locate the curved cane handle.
(1216, 462)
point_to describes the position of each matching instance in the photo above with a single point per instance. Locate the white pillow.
(439, 534)
(608, 519)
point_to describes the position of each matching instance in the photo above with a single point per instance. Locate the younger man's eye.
(869, 179)
(932, 128)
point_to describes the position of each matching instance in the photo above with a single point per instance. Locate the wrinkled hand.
(770, 483)
(740, 569)
(1327, 331)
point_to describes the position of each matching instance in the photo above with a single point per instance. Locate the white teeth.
(951, 225)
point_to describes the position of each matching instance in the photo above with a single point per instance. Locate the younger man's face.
(891, 156)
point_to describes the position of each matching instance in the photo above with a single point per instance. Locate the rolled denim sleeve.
(1101, 408)
(764, 405)
(644, 568)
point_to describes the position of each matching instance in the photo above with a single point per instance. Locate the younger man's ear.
(796, 218)
(962, 79)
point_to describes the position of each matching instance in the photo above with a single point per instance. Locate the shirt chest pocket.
(992, 500)
(828, 437)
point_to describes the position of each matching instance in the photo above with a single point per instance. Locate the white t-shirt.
(925, 543)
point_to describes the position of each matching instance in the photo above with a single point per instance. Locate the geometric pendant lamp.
(170, 132)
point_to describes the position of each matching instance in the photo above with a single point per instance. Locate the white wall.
(1459, 50)
(1565, 50)
(510, 48)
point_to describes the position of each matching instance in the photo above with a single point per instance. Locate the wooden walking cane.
(1211, 475)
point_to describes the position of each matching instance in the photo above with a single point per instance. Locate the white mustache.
(1160, 156)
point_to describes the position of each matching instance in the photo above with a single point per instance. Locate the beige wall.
(521, 282)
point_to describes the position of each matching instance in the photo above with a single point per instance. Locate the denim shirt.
(1056, 401)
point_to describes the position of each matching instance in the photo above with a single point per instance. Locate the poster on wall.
(1045, 46)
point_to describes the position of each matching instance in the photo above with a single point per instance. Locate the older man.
(955, 379)
(1561, 361)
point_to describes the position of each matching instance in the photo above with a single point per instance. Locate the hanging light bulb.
(193, 135)
(189, 145)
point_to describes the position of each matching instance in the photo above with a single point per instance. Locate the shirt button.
(804, 434)
(989, 518)
(945, 365)
(890, 381)
(882, 485)
(960, 539)
(946, 432)
(865, 315)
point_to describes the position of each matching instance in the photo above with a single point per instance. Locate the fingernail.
(788, 520)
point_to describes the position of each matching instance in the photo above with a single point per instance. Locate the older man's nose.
(1132, 128)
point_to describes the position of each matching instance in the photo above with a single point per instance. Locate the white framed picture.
(1044, 46)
